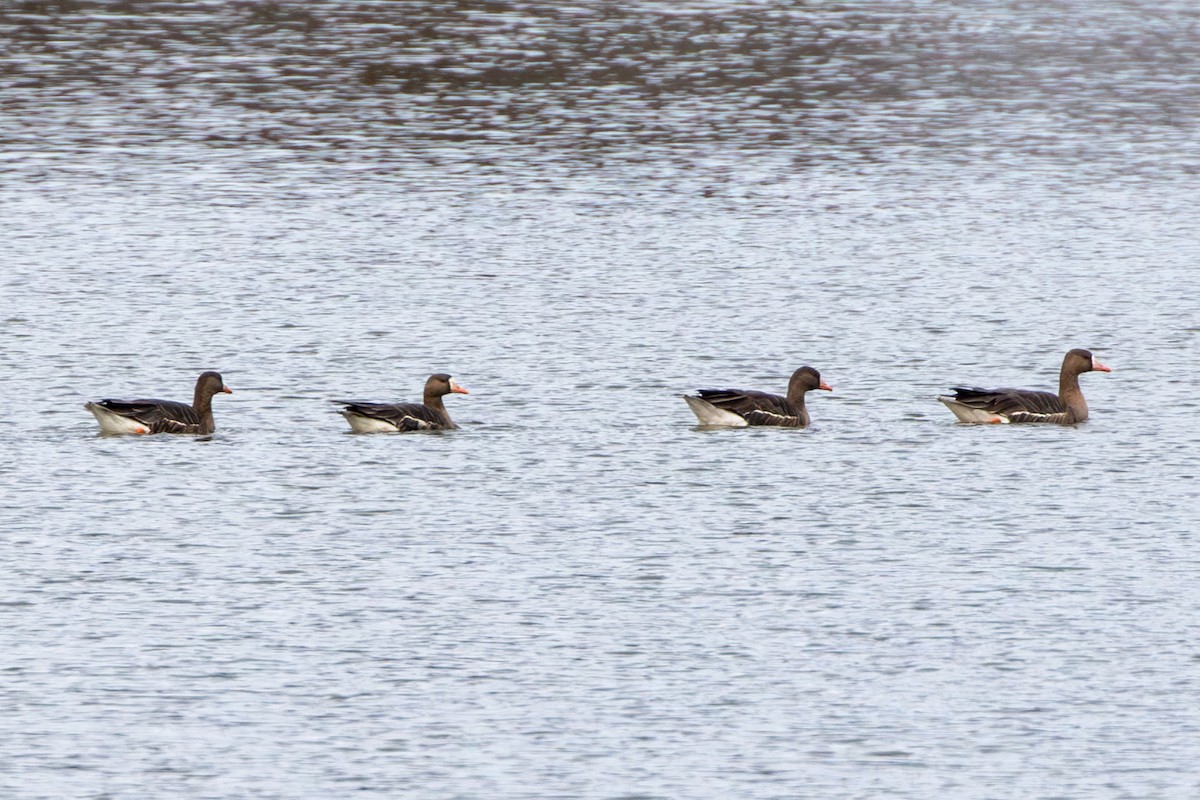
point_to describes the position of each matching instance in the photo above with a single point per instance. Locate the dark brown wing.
(159, 416)
(405, 416)
(757, 408)
(1019, 405)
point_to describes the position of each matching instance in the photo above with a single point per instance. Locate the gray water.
(582, 212)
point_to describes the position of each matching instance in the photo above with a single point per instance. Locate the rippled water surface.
(582, 212)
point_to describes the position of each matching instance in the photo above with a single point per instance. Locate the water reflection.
(816, 84)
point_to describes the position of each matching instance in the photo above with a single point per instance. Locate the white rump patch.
(361, 424)
(113, 423)
(968, 414)
(708, 414)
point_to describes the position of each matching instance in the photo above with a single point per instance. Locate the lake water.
(583, 212)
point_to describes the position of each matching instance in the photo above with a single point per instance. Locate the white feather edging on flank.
(708, 414)
(759, 415)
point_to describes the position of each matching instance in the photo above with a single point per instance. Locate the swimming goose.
(738, 408)
(1024, 405)
(162, 416)
(428, 415)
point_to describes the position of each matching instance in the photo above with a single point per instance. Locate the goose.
(738, 408)
(1025, 405)
(162, 416)
(428, 415)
